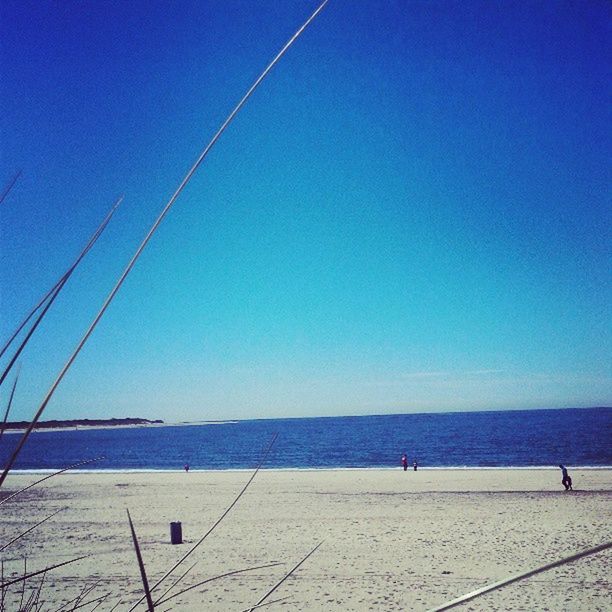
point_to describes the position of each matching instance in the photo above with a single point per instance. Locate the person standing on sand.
(404, 462)
(566, 481)
(415, 465)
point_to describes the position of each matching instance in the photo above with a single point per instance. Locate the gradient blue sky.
(411, 214)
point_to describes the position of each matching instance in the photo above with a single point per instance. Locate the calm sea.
(575, 437)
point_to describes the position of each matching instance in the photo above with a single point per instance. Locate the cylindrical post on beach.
(176, 533)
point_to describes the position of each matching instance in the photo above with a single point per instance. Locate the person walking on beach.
(404, 462)
(567, 480)
(415, 465)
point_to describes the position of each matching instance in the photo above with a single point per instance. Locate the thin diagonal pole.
(56, 291)
(150, 233)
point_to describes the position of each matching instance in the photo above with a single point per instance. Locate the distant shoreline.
(57, 424)
(93, 424)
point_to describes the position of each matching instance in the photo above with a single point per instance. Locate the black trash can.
(176, 533)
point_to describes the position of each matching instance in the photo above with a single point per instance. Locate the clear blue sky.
(411, 214)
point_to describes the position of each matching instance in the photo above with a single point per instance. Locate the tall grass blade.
(143, 573)
(25, 571)
(175, 583)
(7, 584)
(68, 272)
(28, 604)
(99, 601)
(8, 407)
(501, 583)
(85, 591)
(192, 549)
(10, 185)
(52, 295)
(284, 578)
(83, 604)
(97, 605)
(150, 233)
(40, 586)
(267, 603)
(70, 467)
(30, 529)
(65, 605)
(199, 584)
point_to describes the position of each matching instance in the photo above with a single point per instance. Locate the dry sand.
(391, 540)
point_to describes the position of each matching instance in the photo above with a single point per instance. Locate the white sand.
(392, 540)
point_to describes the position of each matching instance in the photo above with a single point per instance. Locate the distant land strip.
(83, 423)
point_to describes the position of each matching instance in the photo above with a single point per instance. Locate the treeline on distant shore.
(82, 422)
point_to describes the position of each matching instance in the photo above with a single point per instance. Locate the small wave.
(301, 469)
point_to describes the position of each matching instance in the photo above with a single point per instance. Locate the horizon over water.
(576, 437)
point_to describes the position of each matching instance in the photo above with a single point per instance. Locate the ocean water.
(575, 437)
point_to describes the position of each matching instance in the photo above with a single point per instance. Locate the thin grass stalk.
(4, 585)
(59, 286)
(98, 604)
(68, 272)
(28, 530)
(116, 606)
(30, 315)
(29, 601)
(100, 600)
(199, 584)
(83, 604)
(267, 603)
(25, 571)
(150, 233)
(10, 402)
(10, 185)
(175, 583)
(277, 585)
(143, 573)
(70, 467)
(190, 551)
(31, 331)
(84, 593)
(40, 586)
(501, 583)
(66, 604)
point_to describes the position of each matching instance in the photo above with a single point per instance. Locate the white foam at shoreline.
(303, 469)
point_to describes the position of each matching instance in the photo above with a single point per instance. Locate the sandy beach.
(391, 540)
